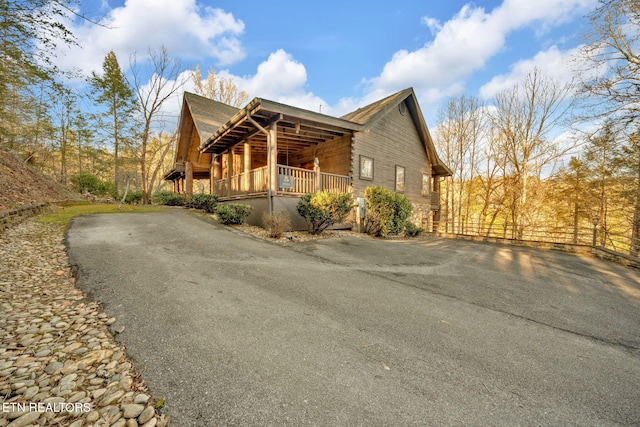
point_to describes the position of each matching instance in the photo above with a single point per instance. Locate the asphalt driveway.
(232, 330)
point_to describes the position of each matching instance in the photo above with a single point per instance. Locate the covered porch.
(270, 150)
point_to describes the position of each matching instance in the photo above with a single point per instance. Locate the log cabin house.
(269, 154)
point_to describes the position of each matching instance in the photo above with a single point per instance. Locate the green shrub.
(276, 224)
(387, 211)
(322, 209)
(133, 197)
(232, 213)
(206, 202)
(412, 230)
(168, 198)
(85, 182)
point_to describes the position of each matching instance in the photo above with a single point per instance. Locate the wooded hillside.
(20, 185)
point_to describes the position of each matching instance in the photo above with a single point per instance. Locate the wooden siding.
(392, 141)
(334, 156)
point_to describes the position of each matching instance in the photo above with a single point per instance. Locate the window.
(426, 184)
(400, 179)
(366, 168)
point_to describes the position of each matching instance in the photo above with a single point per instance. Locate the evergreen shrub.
(387, 211)
(232, 213)
(205, 202)
(323, 209)
(168, 198)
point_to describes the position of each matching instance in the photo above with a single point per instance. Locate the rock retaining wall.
(15, 216)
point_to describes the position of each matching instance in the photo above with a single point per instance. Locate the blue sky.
(344, 54)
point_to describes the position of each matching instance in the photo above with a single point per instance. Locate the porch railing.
(335, 183)
(251, 183)
(301, 181)
(291, 181)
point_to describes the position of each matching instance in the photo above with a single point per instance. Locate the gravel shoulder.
(59, 363)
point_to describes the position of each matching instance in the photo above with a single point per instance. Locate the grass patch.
(64, 214)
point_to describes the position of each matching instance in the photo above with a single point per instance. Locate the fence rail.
(597, 237)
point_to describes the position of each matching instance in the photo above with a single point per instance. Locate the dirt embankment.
(20, 185)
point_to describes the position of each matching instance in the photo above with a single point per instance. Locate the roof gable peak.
(370, 113)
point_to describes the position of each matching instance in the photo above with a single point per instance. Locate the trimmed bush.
(168, 198)
(206, 202)
(232, 213)
(323, 209)
(412, 230)
(387, 211)
(276, 224)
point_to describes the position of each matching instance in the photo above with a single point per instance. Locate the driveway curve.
(232, 330)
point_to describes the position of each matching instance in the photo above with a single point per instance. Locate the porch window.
(400, 179)
(366, 168)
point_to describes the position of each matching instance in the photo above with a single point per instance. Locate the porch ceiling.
(296, 128)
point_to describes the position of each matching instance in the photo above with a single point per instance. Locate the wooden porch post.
(212, 168)
(188, 172)
(247, 167)
(273, 159)
(216, 171)
(316, 169)
(229, 163)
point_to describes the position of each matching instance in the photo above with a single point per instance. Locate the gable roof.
(208, 115)
(373, 111)
(368, 115)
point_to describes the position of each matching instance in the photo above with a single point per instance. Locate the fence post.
(596, 220)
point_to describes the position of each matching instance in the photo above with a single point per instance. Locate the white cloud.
(553, 63)
(433, 24)
(184, 27)
(464, 44)
(280, 78)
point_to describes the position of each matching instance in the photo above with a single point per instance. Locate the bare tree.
(609, 62)
(523, 118)
(610, 77)
(459, 134)
(218, 88)
(162, 84)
